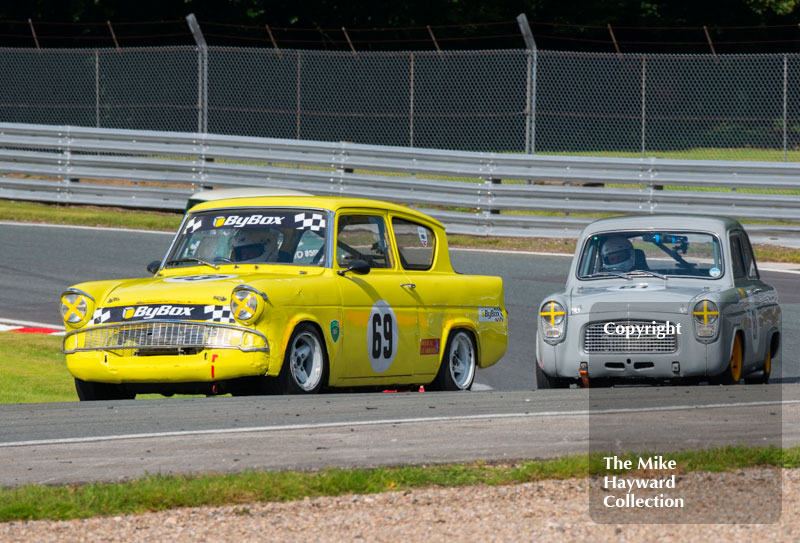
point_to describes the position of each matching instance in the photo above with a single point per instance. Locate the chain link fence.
(730, 107)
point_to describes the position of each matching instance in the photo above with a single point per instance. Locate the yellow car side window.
(363, 237)
(415, 244)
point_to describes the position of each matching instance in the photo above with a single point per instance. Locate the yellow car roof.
(333, 203)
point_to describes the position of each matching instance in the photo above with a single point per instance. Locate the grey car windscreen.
(659, 253)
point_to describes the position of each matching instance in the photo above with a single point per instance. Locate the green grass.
(11, 210)
(32, 369)
(161, 492)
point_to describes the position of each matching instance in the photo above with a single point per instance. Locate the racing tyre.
(90, 391)
(253, 386)
(733, 372)
(305, 365)
(545, 381)
(457, 370)
(764, 378)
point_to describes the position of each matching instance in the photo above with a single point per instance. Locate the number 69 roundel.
(381, 336)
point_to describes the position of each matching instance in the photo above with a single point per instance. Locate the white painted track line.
(251, 429)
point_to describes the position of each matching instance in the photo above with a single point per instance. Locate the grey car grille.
(596, 340)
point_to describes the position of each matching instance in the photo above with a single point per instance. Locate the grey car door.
(747, 287)
(764, 297)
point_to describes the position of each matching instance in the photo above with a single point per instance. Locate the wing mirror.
(361, 267)
(153, 266)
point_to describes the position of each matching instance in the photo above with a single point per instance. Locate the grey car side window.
(749, 258)
(737, 263)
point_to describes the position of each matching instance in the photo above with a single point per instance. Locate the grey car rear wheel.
(544, 381)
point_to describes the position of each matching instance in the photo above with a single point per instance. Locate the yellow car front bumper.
(206, 366)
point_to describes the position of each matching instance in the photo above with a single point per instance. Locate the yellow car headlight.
(76, 307)
(247, 303)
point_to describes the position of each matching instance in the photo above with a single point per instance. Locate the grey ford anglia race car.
(660, 298)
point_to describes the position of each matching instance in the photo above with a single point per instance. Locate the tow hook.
(584, 373)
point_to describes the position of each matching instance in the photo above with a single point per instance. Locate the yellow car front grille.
(132, 338)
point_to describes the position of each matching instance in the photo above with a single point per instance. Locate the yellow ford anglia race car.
(288, 294)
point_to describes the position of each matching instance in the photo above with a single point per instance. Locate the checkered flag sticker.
(100, 316)
(310, 221)
(193, 225)
(219, 313)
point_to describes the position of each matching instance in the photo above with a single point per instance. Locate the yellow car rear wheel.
(459, 363)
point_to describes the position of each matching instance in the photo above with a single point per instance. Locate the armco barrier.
(475, 193)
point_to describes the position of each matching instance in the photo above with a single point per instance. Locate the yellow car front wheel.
(90, 391)
(305, 366)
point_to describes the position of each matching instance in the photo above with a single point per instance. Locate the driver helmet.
(253, 245)
(617, 254)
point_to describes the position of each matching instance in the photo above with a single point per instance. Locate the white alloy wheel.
(306, 361)
(461, 360)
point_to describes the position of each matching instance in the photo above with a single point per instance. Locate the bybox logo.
(237, 222)
(150, 312)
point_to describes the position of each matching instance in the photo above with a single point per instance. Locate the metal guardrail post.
(495, 181)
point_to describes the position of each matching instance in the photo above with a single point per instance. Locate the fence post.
(433, 37)
(297, 104)
(35, 37)
(530, 84)
(113, 34)
(644, 103)
(411, 104)
(97, 88)
(202, 73)
(614, 39)
(785, 88)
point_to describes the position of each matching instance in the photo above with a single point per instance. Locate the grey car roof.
(663, 221)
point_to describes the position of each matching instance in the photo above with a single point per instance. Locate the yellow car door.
(428, 290)
(379, 320)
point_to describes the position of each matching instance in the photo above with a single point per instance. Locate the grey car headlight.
(706, 319)
(553, 321)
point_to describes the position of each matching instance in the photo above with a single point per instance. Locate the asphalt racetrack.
(60, 443)
(41, 261)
